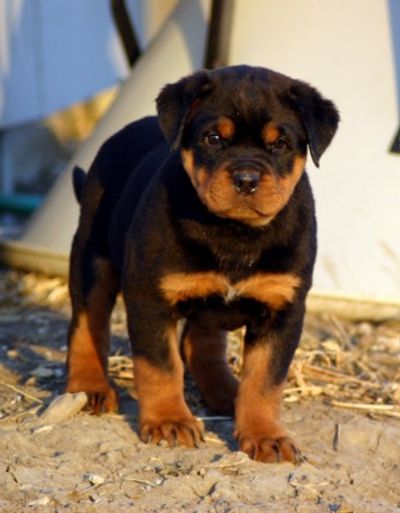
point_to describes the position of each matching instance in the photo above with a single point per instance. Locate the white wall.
(347, 50)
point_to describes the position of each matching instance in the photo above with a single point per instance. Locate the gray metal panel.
(54, 53)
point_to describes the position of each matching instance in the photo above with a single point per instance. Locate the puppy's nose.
(246, 181)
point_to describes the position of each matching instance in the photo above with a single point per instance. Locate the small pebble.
(43, 429)
(58, 373)
(43, 501)
(32, 381)
(364, 329)
(331, 346)
(64, 407)
(43, 372)
(95, 479)
(12, 354)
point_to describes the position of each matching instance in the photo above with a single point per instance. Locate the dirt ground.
(97, 464)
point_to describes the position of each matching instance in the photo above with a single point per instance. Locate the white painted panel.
(346, 49)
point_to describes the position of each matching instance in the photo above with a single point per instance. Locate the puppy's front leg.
(159, 370)
(268, 352)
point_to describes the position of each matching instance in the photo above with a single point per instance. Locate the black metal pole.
(125, 30)
(219, 32)
(395, 147)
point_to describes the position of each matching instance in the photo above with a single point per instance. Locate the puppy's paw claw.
(270, 450)
(185, 431)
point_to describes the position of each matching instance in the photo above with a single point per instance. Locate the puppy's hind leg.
(93, 288)
(205, 355)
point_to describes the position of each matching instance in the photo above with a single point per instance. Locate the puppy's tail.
(78, 181)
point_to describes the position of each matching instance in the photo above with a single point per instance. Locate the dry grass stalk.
(381, 409)
(21, 392)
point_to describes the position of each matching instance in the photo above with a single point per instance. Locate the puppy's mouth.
(246, 210)
(248, 192)
(253, 200)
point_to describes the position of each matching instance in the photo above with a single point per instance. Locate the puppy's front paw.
(263, 447)
(103, 401)
(186, 431)
(102, 398)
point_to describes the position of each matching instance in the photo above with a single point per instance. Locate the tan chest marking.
(276, 290)
(178, 287)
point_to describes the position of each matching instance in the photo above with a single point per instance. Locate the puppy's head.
(243, 134)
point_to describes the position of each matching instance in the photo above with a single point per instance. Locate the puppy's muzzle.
(246, 176)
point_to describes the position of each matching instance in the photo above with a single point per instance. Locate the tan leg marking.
(163, 412)
(89, 344)
(258, 428)
(205, 354)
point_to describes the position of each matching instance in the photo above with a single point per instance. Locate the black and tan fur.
(204, 213)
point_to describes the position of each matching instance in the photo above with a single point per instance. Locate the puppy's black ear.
(176, 102)
(78, 182)
(319, 116)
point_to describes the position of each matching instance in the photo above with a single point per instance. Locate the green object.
(20, 203)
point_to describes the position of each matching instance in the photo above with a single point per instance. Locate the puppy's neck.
(232, 247)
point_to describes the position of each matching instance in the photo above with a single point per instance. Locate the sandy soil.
(97, 464)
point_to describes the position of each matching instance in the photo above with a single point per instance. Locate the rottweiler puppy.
(204, 213)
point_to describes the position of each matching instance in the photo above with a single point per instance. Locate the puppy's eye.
(279, 145)
(213, 139)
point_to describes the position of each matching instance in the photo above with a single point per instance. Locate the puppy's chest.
(215, 292)
(217, 312)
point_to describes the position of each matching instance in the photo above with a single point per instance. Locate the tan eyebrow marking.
(270, 133)
(226, 127)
